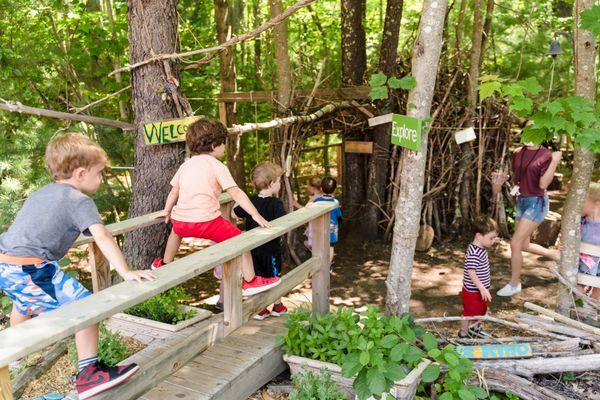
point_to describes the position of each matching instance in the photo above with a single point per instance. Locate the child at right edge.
(476, 278)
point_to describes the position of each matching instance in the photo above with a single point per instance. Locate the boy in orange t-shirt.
(193, 203)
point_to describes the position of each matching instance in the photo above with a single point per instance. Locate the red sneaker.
(157, 263)
(262, 315)
(259, 284)
(279, 310)
(97, 377)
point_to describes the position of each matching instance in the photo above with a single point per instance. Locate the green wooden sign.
(169, 131)
(488, 351)
(406, 131)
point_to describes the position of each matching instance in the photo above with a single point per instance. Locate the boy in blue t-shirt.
(328, 186)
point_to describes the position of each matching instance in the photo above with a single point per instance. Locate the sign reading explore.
(170, 131)
(406, 131)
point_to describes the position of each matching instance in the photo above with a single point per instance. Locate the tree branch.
(93, 103)
(279, 122)
(20, 108)
(235, 39)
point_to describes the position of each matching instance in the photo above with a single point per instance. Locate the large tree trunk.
(583, 161)
(152, 27)
(379, 162)
(426, 56)
(354, 65)
(227, 111)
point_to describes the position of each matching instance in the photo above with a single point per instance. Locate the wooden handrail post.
(5, 385)
(100, 268)
(232, 295)
(320, 249)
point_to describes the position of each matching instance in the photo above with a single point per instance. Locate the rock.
(425, 239)
(547, 233)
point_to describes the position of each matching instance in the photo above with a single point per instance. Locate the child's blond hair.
(264, 174)
(594, 191)
(68, 152)
(315, 182)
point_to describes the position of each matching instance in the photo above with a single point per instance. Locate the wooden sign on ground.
(170, 131)
(491, 351)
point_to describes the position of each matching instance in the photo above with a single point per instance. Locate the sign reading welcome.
(516, 350)
(406, 131)
(170, 131)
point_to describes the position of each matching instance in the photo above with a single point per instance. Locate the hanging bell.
(554, 48)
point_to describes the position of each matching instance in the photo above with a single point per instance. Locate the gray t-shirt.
(49, 223)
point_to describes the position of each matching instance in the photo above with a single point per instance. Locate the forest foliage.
(57, 54)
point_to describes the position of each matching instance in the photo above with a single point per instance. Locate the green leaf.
(446, 396)
(361, 385)
(465, 394)
(487, 89)
(413, 354)
(590, 20)
(521, 104)
(589, 138)
(553, 107)
(394, 372)
(531, 85)
(534, 135)
(488, 78)
(377, 79)
(379, 93)
(389, 341)
(478, 392)
(351, 365)
(65, 261)
(376, 381)
(364, 358)
(407, 334)
(398, 352)
(429, 341)
(512, 90)
(431, 373)
(394, 83)
(451, 359)
(434, 353)
(408, 82)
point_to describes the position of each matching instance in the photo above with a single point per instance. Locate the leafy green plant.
(309, 385)
(380, 85)
(164, 307)
(590, 20)
(377, 350)
(111, 348)
(574, 116)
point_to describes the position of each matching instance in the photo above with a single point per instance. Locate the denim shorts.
(533, 208)
(39, 288)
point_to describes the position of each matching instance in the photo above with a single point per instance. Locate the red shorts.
(218, 230)
(473, 304)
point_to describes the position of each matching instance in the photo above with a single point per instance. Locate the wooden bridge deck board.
(233, 368)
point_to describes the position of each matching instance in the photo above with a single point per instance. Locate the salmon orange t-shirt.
(199, 181)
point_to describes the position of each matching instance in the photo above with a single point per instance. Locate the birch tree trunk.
(354, 65)
(154, 165)
(379, 162)
(426, 56)
(583, 161)
(227, 111)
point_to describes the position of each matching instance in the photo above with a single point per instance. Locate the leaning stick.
(584, 297)
(235, 39)
(41, 112)
(563, 319)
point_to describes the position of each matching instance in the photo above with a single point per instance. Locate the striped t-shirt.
(476, 259)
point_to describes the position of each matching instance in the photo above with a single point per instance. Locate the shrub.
(164, 307)
(111, 348)
(309, 386)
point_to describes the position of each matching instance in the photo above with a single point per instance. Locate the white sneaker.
(509, 290)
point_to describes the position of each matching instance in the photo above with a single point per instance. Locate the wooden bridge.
(222, 357)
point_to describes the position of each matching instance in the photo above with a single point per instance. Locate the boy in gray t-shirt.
(45, 228)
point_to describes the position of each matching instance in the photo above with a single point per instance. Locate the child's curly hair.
(204, 135)
(594, 191)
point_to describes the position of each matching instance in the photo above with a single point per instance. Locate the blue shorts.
(533, 208)
(39, 288)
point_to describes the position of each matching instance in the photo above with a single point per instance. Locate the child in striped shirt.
(476, 278)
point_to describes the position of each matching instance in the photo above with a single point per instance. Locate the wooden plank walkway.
(233, 368)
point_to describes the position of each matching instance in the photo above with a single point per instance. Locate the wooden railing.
(49, 328)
